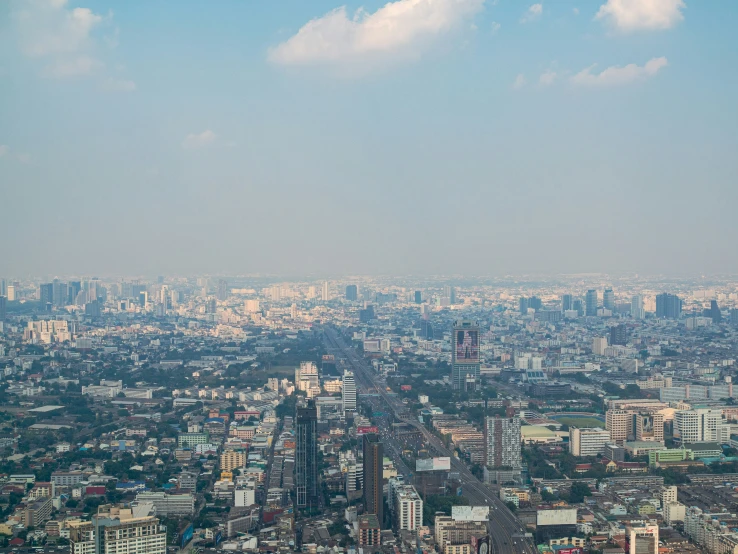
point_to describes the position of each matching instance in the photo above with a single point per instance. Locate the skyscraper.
(119, 529)
(352, 293)
(465, 362)
(46, 294)
(325, 292)
(348, 392)
(577, 305)
(306, 455)
(418, 297)
(590, 302)
(60, 294)
(668, 306)
(636, 307)
(523, 305)
(222, 293)
(502, 442)
(3, 307)
(535, 303)
(608, 300)
(567, 302)
(3, 287)
(618, 335)
(734, 316)
(373, 475)
(715, 313)
(450, 293)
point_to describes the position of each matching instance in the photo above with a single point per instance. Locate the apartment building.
(588, 441)
(119, 530)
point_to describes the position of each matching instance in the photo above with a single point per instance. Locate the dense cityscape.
(555, 415)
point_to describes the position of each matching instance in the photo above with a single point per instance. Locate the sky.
(410, 137)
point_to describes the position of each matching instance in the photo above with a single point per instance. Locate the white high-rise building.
(119, 530)
(349, 392)
(325, 293)
(699, 425)
(636, 307)
(588, 442)
(599, 344)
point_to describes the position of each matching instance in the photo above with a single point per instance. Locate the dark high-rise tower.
(618, 335)
(535, 303)
(373, 472)
(46, 294)
(715, 313)
(222, 293)
(465, 363)
(352, 293)
(418, 297)
(668, 306)
(306, 455)
(608, 300)
(523, 305)
(567, 302)
(590, 303)
(3, 303)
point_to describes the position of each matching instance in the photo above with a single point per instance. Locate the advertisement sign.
(480, 545)
(467, 345)
(557, 516)
(406, 387)
(433, 464)
(186, 536)
(328, 357)
(364, 430)
(218, 537)
(470, 513)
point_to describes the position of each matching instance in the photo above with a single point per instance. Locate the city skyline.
(573, 136)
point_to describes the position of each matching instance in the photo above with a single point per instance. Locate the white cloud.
(118, 85)
(575, 11)
(495, 27)
(519, 82)
(613, 76)
(73, 67)
(532, 13)
(399, 30)
(636, 15)
(4, 150)
(547, 77)
(198, 140)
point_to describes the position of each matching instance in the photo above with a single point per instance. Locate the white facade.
(699, 425)
(588, 442)
(349, 392)
(244, 497)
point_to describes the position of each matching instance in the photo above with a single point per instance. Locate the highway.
(505, 530)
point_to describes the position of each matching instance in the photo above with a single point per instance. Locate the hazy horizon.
(443, 137)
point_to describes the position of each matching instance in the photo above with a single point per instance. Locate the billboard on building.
(433, 464)
(480, 545)
(329, 358)
(366, 429)
(406, 387)
(218, 538)
(466, 345)
(186, 536)
(557, 516)
(470, 513)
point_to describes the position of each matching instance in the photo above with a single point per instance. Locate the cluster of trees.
(440, 503)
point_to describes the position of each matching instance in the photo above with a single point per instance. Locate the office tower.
(590, 302)
(502, 438)
(3, 287)
(608, 300)
(587, 442)
(93, 287)
(73, 289)
(367, 314)
(620, 425)
(649, 427)
(450, 293)
(643, 539)
(119, 530)
(46, 294)
(373, 476)
(306, 455)
(578, 305)
(13, 292)
(535, 303)
(700, 425)
(598, 346)
(418, 297)
(636, 307)
(348, 392)
(523, 305)
(222, 293)
(325, 292)
(567, 302)
(668, 306)
(465, 362)
(3, 308)
(734, 316)
(618, 335)
(715, 313)
(352, 293)
(143, 299)
(426, 329)
(93, 309)
(59, 294)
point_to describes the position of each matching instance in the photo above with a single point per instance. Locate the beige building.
(649, 427)
(119, 530)
(230, 460)
(620, 425)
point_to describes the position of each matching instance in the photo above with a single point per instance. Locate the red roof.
(16, 542)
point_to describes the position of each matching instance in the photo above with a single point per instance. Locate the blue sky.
(419, 136)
